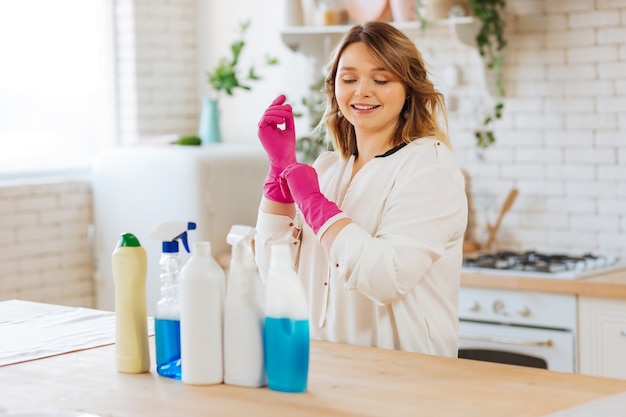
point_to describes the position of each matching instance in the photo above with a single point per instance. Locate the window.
(55, 84)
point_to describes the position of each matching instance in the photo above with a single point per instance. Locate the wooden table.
(344, 380)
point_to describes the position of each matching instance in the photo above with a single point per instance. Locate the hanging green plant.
(491, 42)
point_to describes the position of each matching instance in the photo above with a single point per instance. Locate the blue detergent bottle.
(286, 330)
(167, 315)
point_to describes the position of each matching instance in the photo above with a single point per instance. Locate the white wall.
(217, 27)
(165, 48)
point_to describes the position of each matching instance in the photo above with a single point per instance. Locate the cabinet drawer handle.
(508, 341)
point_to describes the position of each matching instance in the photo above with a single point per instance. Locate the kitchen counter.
(344, 380)
(609, 285)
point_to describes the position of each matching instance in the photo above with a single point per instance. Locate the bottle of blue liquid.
(167, 315)
(286, 330)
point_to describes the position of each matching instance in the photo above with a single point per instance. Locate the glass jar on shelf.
(324, 12)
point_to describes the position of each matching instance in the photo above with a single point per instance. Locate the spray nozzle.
(240, 238)
(239, 232)
(170, 232)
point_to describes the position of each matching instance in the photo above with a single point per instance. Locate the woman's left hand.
(299, 182)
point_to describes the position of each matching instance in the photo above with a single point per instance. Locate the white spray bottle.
(243, 316)
(167, 315)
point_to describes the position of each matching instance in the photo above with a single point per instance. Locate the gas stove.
(541, 265)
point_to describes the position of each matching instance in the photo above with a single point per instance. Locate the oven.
(518, 327)
(524, 328)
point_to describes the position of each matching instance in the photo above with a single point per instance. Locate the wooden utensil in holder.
(492, 230)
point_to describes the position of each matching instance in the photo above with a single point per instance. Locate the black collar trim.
(392, 150)
(389, 152)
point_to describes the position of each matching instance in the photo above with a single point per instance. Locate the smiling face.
(369, 96)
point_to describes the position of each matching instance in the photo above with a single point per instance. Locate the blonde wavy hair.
(398, 55)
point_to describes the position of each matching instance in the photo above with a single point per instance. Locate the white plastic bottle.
(131, 321)
(286, 330)
(202, 292)
(243, 316)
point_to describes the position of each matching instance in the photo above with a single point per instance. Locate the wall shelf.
(463, 27)
(318, 42)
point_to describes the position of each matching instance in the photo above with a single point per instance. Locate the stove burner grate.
(538, 262)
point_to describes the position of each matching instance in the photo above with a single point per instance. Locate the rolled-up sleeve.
(423, 214)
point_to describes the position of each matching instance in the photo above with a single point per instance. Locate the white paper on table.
(611, 406)
(57, 333)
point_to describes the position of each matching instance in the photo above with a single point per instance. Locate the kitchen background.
(561, 140)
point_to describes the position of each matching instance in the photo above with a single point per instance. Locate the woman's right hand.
(279, 144)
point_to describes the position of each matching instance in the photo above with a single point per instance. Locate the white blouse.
(393, 276)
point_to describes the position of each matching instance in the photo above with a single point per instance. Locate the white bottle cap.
(202, 249)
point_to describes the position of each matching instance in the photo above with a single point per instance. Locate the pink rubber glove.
(299, 182)
(279, 144)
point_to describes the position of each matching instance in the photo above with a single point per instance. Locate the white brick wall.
(44, 254)
(157, 68)
(564, 124)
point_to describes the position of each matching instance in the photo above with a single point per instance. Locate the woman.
(379, 230)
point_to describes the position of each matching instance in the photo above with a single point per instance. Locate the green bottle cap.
(128, 239)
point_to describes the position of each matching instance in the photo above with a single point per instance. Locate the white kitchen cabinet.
(137, 187)
(602, 337)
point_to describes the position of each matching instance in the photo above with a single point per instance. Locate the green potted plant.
(309, 146)
(226, 78)
(491, 42)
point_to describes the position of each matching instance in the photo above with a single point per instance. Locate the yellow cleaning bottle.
(131, 321)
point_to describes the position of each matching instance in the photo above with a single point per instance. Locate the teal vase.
(209, 131)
